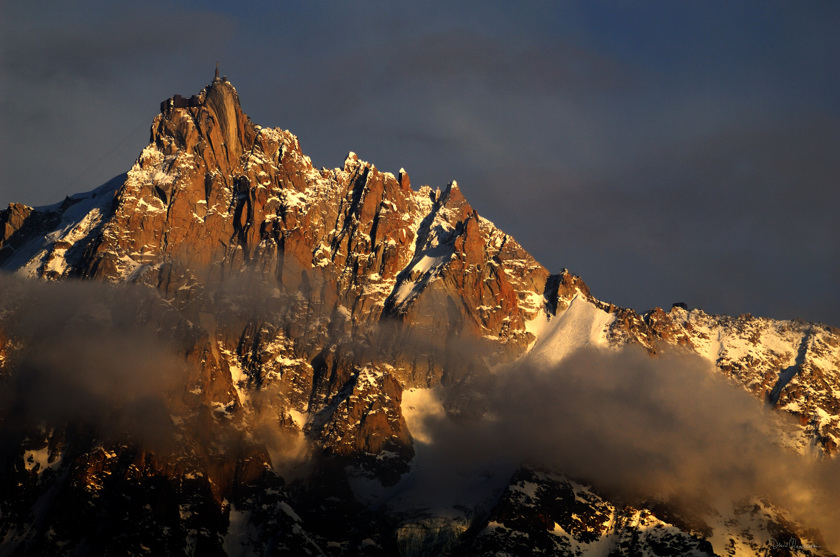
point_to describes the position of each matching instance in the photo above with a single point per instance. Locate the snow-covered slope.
(582, 324)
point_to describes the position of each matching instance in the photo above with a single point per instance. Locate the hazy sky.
(665, 151)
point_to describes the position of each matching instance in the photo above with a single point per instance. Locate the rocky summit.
(228, 351)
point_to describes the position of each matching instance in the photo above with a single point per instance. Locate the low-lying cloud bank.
(635, 427)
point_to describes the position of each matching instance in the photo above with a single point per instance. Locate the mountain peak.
(214, 117)
(369, 293)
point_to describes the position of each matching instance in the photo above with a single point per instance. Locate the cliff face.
(298, 306)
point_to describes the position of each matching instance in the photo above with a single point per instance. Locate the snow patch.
(41, 459)
(78, 221)
(582, 324)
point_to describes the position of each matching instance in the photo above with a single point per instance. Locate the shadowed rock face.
(297, 305)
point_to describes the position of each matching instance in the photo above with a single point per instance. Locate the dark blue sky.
(665, 151)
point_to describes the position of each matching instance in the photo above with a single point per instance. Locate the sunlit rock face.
(244, 357)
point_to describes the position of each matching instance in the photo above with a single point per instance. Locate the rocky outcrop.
(19, 224)
(543, 513)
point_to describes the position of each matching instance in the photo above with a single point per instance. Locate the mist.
(636, 427)
(114, 359)
(92, 355)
